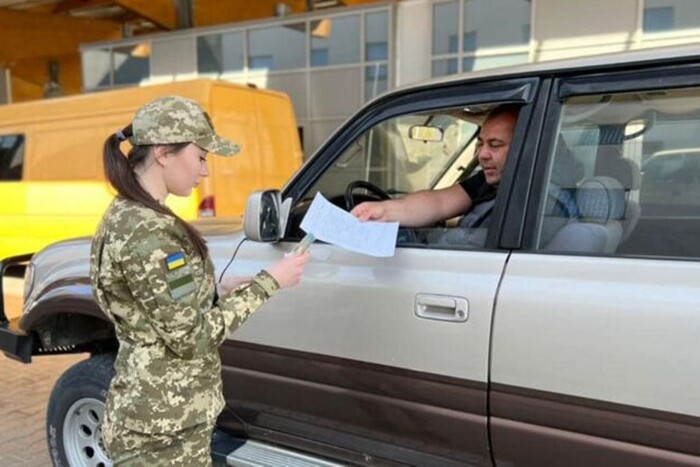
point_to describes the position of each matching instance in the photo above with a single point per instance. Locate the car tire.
(75, 413)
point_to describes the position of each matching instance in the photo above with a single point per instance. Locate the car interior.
(402, 155)
(623, 208)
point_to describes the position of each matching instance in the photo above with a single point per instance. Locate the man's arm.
(419, 209)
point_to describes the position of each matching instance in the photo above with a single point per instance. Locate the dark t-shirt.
(477, 188)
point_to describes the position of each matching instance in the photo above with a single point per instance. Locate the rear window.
(11, 157)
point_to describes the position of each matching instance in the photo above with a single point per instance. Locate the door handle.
(441, 307)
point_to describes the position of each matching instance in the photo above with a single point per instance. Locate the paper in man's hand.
(333, 225)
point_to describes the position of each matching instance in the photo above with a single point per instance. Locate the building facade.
(331, 62)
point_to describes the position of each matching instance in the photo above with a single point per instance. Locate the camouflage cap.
(175, 119)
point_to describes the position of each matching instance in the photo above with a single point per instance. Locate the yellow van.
(52, 184)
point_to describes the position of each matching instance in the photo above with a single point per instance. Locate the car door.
(595, 335)
(380, 360)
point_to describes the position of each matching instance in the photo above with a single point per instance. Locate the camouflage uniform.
(160, 295)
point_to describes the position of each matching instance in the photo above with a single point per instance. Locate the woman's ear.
(160, 155)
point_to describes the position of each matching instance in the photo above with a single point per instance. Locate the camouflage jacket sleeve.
(175, 291)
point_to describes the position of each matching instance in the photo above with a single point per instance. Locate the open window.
(405, 154)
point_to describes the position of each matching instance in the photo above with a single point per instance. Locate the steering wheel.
(357, 184)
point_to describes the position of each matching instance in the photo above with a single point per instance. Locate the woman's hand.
(287, 272)
(227, 284)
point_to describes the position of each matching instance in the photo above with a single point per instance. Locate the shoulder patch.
(179, 275)
(174, 261)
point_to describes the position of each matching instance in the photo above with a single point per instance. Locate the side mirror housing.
(265, 216)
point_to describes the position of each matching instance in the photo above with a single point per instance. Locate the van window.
(628, 165)
(11, 157)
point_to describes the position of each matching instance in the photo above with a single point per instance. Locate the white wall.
(565, 29)
(413, 41)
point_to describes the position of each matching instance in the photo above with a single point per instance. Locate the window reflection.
(493, 33)
(131, 63)
(670, 15)
(97, 68)
(375, 80)
(335, 41)
(496, 23)
(445, 24)
(277, 48)
(376, 36)
(220, 53)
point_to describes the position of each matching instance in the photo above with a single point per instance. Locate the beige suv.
(564, 333)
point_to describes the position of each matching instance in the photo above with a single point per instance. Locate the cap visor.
(217, 145)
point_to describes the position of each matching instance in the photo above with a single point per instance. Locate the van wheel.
(75, 413)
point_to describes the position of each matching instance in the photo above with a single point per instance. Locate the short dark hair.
(503, 109)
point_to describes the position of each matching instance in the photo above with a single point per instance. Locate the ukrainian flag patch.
(175, 261)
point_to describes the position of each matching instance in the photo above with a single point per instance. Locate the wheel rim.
(82, 434)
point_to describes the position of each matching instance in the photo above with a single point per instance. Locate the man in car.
(473, 196)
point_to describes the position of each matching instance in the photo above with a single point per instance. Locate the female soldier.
(152, 276)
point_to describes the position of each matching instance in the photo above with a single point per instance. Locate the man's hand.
(370, 211)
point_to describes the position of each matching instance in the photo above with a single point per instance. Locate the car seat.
(601, 205)
(626, 172)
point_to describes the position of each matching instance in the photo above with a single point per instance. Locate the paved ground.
(24, 392)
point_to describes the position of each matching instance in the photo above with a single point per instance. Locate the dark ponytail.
(119, 170)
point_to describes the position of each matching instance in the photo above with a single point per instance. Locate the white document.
(333, 225)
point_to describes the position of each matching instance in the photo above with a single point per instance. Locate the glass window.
(278, 47)
(220, 53)
(670, 15)
(445, 25)
(444, 67)
(131, 63)
(486, 34)
(11, 157)
(625, 176)
(496, 23)
(338, 40)
(97, 68)
(376, 36)
(375, 80)
(407, 154)
(658, 19)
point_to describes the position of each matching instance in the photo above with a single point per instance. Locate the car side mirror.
(265, 217)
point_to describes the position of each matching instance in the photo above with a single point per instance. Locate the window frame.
(522, 90)
(641, 79)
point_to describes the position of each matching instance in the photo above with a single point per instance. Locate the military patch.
(175, 261)
(179, 276)
(181, 286)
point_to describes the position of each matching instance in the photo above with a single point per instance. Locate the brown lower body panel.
(539, 428)
(365, 413)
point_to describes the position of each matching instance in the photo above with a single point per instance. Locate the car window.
(403, 154)
(11, 157)
(409, 153)
(624, 176)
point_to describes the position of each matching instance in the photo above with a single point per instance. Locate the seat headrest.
(623, 170)
(601, 199)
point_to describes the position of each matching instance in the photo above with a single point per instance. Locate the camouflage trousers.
(185, 448)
